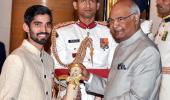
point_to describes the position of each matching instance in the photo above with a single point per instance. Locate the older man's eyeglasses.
(119, 19)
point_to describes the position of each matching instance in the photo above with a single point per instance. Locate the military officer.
(71, 35)
(163, 42)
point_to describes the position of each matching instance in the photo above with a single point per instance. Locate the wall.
(5, 20)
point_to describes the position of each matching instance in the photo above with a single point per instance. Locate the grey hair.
(134, 9)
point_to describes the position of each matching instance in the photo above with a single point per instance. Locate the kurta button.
(41, 60)
(45, 76)
(46, 93)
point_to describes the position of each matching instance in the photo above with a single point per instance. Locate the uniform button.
(45, 76)
(89, 60)
(46, 93)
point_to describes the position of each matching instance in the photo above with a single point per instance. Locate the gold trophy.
(75, 67)
(73, 81)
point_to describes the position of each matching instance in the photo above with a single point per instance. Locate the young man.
(163, 42)
(27, 71)
(135, 72)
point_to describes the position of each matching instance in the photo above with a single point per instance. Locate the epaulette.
(53, 39)
(59, 25)
(104, 23)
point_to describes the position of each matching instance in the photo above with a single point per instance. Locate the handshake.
(77, 72)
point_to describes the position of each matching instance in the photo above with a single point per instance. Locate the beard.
(40, 41)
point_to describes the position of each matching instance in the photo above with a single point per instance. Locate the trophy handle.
(73, 81)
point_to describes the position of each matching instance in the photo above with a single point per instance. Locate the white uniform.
(163, 42)
(69, 40)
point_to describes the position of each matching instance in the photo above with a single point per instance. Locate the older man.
(135, 72)
(163, 42)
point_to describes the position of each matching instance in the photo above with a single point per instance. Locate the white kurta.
(26, 74)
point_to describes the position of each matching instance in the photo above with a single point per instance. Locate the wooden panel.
(62, 10)
(100, 13)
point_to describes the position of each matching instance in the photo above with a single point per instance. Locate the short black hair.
(34, 10)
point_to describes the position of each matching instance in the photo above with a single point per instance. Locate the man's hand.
(85, 73)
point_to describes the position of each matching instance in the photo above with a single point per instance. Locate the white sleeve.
(61, 49)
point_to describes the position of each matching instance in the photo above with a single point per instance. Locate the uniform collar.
(84, 26)
(167, 18)
(133, 38)
(32, 48)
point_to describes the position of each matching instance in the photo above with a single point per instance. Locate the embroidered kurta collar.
(132, 39)
(32, 48)
(84, 26)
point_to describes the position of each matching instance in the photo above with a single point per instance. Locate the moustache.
(42, 33)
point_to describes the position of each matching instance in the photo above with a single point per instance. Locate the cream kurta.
(26, 74)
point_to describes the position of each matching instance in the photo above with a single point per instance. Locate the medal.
(164, 36)
(104, 43)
